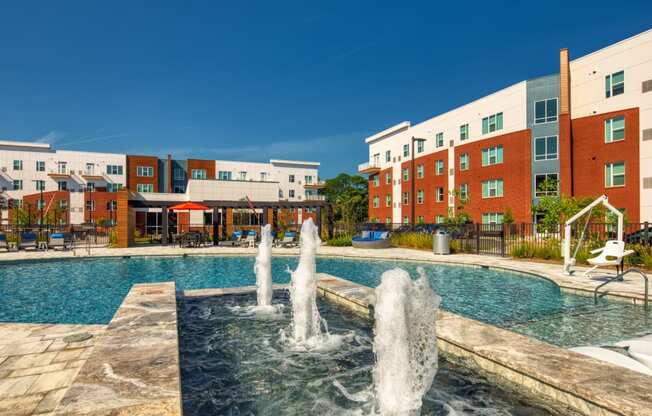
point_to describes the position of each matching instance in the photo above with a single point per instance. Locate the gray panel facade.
(177, 167)
(538, 89)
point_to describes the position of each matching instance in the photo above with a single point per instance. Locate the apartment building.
(587, 129)
(74, 186)
(78, 187)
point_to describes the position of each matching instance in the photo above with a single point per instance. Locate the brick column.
(229, 221)
(565, 132)
(125, 220)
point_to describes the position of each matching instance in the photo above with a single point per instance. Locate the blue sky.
(259, 80)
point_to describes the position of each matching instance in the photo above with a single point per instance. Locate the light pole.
(414, 139)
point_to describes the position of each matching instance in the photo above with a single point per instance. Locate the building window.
(62, 185)
(114, 170)
(406, 220)
(18, 184)
(464, 132)
(198, 174)
(111, 205)
(376, 181)
(388, 156)
(545, 111)
(545, 148)
(614, 174)
(439, 167)
(280, 193)
(546, 184)
(614, 129)
(145, 171)
(388, 200)
(420, 196)
(40, 166)
(179, 174)
(263, 176)
(145, 187)
(492, 155)
(90, 169)
(493, 218)
(243, 175)
(90, 205)
(406, 150)
(439, 219)
(62, 167)
(614, 84)
(291, 193)
(308, 179)
(492, 123)
(419, 171)
(40, 185)
(291, 178)
(388, 220)
(420, 146)
(406, 198)
(224, 175)
(439, 194)
(464, 161)
(40, 204)
(406, 174)
(18, 165)
(63, 204)
(420, 219)
(388, 178)
(439, 140)
(90, 186)
(492, 188)
(464, 192)
(376, 202)
(113, 187)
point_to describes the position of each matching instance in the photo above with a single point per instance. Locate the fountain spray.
(263, 267)
(405, 342)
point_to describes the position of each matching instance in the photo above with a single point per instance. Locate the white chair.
(611, 254)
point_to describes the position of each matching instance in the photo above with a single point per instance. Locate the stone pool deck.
(540, 370)
(632, 289)
(38, 362)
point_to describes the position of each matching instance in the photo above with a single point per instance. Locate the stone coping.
(570, 380)
(630, 290)
(38, 362)
(134, 367)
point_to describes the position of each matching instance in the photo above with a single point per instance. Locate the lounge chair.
(611, 254)
(3, 242)
(60, 240)
(27, 240)
(250, 239)
(288, 239)
(371, 239)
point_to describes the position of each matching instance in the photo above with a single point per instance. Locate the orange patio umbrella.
(189, 206)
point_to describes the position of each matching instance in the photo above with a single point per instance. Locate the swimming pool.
(89, 291)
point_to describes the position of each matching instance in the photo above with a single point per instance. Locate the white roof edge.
(388, 131)
(24, 144)
(645, 32)
(294, 162)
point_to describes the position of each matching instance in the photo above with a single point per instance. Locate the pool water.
(238, 365)
(90, 291)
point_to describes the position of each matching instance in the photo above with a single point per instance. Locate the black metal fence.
(521, 240)
(82, 235)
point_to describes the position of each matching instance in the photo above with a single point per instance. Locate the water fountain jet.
(405, 342)
(263, 268)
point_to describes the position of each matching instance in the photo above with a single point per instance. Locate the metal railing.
(80, 235)
(619, 278)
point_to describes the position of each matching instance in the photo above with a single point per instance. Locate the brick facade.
(515, 171)
(52, 206)
(590, 154)
(132, 171)
(208, 165)
(383, 189)
(431, 181)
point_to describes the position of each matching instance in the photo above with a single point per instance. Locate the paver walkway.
(37, 365)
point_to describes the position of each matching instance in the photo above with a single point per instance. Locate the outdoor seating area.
(371, 239)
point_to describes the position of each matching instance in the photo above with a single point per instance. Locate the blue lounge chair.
(3, 242)
(289, 239)
(27, 240)
(371, 239)
(60, 240)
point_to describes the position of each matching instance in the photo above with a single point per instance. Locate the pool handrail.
(619, 277)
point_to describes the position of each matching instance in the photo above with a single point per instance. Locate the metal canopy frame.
(569, 261)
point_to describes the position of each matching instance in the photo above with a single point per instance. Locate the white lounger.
(611, 254)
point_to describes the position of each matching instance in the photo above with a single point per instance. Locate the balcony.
(89, 174)
(315, 185)
(60, 173)
(315, 198)
(369, 168)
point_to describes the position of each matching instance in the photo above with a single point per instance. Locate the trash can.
(441, 242)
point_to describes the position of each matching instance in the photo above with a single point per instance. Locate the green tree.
(348, 196)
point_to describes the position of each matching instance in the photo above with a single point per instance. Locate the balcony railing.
(315, 185)
(315, 198)
(369, 167)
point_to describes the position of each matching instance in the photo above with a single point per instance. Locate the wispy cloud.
(51, 137)
(94, 138)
